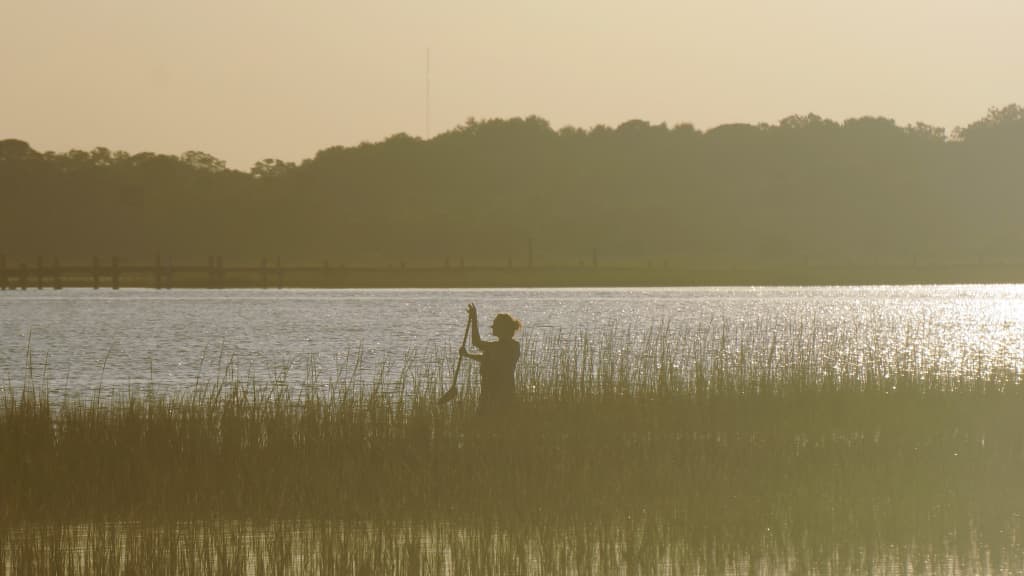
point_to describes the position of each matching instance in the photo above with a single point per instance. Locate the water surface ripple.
(104, 341)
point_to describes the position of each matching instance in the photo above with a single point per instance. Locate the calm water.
(108, 340)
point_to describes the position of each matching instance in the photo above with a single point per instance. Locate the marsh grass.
(323, 547)
(683, 454)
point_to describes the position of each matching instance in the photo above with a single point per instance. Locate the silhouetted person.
(497, 361)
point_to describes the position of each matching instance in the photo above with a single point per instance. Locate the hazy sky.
(245, 80)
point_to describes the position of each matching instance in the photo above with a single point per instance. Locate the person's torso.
(498, 368)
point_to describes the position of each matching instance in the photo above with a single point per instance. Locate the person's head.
(505, 326)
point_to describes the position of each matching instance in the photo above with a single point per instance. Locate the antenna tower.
(428, 95)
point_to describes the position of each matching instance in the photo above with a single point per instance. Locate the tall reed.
(660, 451)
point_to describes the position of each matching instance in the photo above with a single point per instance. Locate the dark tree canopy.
(807, 189)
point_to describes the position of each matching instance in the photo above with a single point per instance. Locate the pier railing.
(165, 273)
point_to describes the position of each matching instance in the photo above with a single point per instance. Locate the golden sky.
(249, 79)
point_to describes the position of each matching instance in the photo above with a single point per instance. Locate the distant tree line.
(807, 190)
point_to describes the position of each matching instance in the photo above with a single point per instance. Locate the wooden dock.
(163, 273)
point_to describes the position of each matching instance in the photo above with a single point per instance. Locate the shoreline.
(176, 277)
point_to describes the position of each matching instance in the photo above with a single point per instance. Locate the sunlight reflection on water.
(87, 340)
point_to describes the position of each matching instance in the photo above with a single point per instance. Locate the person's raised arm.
(477, 342)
